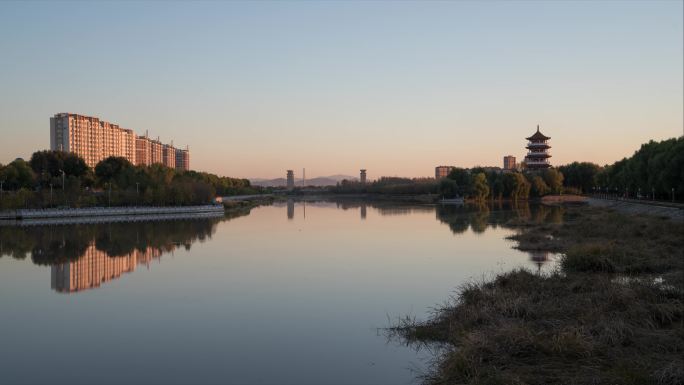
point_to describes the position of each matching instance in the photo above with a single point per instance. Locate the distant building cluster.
(537, 158)
(94, 140)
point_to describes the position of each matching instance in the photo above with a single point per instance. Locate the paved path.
(640, 207)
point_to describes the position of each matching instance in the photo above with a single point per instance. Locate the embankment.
(612, 314)
(91, 212)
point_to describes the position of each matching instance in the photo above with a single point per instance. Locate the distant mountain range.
(318, 181)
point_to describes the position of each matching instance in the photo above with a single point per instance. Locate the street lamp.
(137, 192)
(673, 195)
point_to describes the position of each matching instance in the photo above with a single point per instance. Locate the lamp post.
(50, 194)
(137, 193)
(673, 195)
(109, 203)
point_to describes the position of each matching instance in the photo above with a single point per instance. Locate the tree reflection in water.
(83, 256)
(497, 214)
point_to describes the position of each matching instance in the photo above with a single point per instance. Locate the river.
(292, 293)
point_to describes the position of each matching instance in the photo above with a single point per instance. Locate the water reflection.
(540, 258)
(85, 256)
(478, 217)
(329, 281)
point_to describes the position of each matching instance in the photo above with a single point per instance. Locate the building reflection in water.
(363, 211)
(290, 209)
(84, 256)
(96, 267)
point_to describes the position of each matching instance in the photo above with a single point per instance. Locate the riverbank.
(612, 314)
(90, 212)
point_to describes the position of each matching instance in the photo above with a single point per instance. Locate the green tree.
(480, 188)
(462, 178)
(554, 179)
(16, 175)
(448, 188)
(538, 186)
(580, 175)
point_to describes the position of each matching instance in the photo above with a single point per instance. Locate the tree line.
(56, 178)
(656, 171)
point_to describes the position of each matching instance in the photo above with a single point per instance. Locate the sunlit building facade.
(509, 162)
(442, 171)
(94, 140)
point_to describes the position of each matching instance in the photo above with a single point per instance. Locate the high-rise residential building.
(94, 140)
(143, 151)
(156, 151)
(538, 151)
(442, 171)
(169, 156)
(183, 159)
(90, 138)
(509, 162)
(363, 175)
(290, 179)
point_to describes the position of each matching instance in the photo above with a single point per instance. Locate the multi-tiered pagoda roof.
(538, 154)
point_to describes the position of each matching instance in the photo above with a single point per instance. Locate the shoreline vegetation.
(612, 313)
(54, 179)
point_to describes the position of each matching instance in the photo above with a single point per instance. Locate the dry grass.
(614, 313)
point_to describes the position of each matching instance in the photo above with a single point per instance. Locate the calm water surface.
(287, 294)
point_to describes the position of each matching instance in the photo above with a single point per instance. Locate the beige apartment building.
(94, 140)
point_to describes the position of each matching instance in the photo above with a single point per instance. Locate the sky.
(255, 88)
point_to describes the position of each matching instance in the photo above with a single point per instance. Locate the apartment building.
(94, 140)
(442, 171)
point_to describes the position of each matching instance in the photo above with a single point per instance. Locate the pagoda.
(537, 155)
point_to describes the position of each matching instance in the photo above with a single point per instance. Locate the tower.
(290, 179)
(537, 155)
(363, 176)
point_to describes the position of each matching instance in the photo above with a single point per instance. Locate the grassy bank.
(612, 314)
